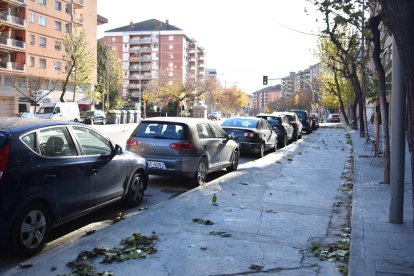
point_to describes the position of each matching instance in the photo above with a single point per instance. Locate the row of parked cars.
(54, 171)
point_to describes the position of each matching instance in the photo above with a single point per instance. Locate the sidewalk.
(377, 246)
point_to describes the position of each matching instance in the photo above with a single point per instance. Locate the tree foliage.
(109, 76)
(80, 61)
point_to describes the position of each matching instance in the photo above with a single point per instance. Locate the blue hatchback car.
(52, 172)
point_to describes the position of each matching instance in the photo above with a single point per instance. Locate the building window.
(113, 39)
(8, 80)
(58, 66)
(42, 63)
(22, 82)
(42, 42)
(42, 20)
(171, 37)
(67, 8)
(58, 45)
(171, 56)
(58, 5)
(170, 47)
(113, 48)
(67, 28)
(42, 2)
(58, 26)
(32, 39)
(32, 17)
(170, 74)
(171, 65)
(32, 62)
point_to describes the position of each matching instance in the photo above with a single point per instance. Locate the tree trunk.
(376, 57)
(353, 106)
(398, 17)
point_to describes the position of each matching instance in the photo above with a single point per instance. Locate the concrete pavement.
(269, 213)
(377, 246)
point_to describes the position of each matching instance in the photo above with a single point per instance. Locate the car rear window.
(161, 130)
(273, 121)
(240, 122)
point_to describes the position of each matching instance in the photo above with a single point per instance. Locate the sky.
(243, 40)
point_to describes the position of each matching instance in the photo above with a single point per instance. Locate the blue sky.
(243, 40)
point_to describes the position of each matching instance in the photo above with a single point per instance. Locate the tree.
(282, 104)
(80, 62)
(38, 89)
(339, 16)
(109, 77)
(166, 89)
(232, 100)
(398, 17)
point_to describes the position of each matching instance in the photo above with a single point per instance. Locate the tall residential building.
(261, 98)
(151, 50)
(31, 48)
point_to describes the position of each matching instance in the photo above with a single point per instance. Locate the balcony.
(135, 95)
(140, 41)
(12, 20)
(139, 77)
(134, 86)
(78, 21)
(21, 3)
(140, 68)
(139, 59)
(13, 66)
(77, 4)
(12, 43)
(140, 50)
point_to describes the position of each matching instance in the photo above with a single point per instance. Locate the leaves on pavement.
(201, 221)
(22, 265)
(256, 267)
(220, 233)
(119, 216)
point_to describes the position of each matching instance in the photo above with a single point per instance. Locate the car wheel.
(136, 189)
(31, 229)
(261, 151)
(201, 173)
(234, 161)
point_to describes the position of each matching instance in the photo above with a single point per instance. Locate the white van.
(59, 111)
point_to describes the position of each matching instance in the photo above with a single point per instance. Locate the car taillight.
(182, 146)
(248, 134)
(132, 143)
(4, 155)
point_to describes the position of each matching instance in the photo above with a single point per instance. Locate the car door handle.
(49, 176)
(94, 171)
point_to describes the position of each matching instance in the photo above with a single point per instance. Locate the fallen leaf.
(256, 267)
(22, 265)
(90, 232)
(203, 248)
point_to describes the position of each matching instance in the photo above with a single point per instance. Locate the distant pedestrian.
(372, 118)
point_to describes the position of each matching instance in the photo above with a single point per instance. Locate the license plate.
(157, 165)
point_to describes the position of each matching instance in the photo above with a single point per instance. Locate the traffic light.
(265, 79)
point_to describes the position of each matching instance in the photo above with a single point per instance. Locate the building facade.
(150, 50)
(31, 51)
(262, 97)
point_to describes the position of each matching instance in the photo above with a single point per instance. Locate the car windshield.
(273, 121)
(161, 130)
(240, 122)
(45, 110)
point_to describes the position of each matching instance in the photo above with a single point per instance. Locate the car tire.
(136, 189)
(31, 229)
(234, 161)
(200, 175)
(261, 152)
(283, 143)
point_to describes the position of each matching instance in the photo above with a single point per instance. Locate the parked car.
(305, 120)
(52, 172)
(94, 117)
(188, 147)
(314, 118)
(254, 135)
(333, 118)
(214, 116)
(296, 123)
(25, 115)
(67, 111)
(280, 123)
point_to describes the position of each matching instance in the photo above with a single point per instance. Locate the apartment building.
(260, 99)
(152, 50)
(31, 48)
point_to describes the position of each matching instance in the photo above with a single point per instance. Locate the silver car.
(188, 147)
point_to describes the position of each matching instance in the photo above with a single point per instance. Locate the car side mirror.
(117, 150)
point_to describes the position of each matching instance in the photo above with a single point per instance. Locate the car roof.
(183, 120)
(18, 123)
